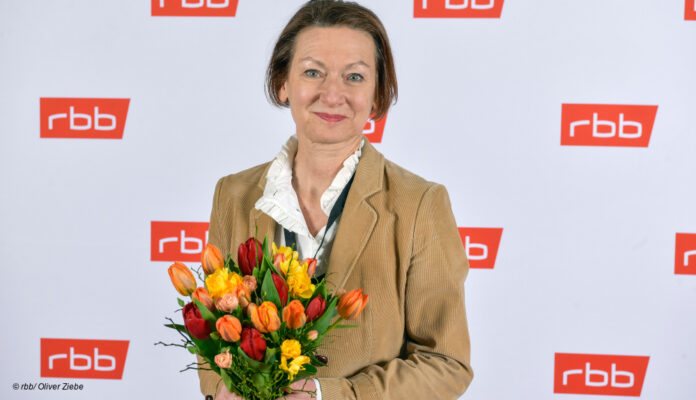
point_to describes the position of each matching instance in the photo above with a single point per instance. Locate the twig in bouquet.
(198, 272)
(196, 366)
(171, 344)
(185, 339)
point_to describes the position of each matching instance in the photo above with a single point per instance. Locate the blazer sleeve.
(210, 381)
(437, 339)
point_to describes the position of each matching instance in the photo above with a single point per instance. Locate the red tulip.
(194, 322)
(282, 288)
(253, 344)
(315, 308)
(249, 255)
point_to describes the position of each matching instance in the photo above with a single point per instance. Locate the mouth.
(332, 118)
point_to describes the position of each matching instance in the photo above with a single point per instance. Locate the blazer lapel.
(358, 219)
(259, 220)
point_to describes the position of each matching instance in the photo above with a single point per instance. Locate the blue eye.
(312, 73)
(355, 77)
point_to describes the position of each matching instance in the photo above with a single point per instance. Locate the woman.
(396, 236)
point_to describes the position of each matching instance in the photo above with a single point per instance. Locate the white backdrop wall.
(593, 241)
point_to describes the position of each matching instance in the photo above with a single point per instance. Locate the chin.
(330, 136)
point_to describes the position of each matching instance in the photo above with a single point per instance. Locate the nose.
(332, 93)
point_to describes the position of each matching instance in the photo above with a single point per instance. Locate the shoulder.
(241, 189)
(242, 181)
(405, 184)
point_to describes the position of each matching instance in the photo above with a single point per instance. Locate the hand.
(226, 395)
(306, 385)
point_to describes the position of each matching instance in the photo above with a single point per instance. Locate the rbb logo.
(606, 125)
(79, 358)
(481, 245)
(690, 10)
(457, 8)
(75, 118)
(194, 8)
(177, 241)
(374, 130)
(685, 254)
(599, 374)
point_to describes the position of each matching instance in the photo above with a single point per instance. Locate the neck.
(316, 165)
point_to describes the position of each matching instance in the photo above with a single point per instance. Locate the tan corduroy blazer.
(397, 240)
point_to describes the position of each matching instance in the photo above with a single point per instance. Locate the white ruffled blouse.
(280, 202)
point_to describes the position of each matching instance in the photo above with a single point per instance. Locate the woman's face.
(331, 83)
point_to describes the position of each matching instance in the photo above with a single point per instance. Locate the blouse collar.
(279, 199)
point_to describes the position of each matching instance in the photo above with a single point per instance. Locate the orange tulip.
(202, 295)
(211, 259)
(227, 303)
(243, 295)
(229, 327)
(250, 282)
(182, 278)
(294, 315)
(278, 260)
(351, 304)
(264, 317)
(311, 266)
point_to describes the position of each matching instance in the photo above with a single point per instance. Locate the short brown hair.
(327, 13)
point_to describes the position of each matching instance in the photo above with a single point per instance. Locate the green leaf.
(265, 248)
(253, 363)
(231, 266)
(321, 290)
(322, 324)
(181, 302)
(270, 357)
(269, 292)
(178, 327)
(316, 361)
(256, 272)
(227, 380)
(214, 335)
(347, 326)
(208, 349)
(205, 313)
(192, 349)
(262, 383)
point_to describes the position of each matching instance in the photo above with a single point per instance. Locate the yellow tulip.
(296, 365)
(299, 283)
(291, 348)
(222, 282)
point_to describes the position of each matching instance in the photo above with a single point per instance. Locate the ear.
(283, 93)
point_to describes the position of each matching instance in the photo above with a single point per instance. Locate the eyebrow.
(321, 64)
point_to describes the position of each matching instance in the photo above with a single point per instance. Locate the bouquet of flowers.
(258, 324)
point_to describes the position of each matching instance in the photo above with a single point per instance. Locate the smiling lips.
(330, 117)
